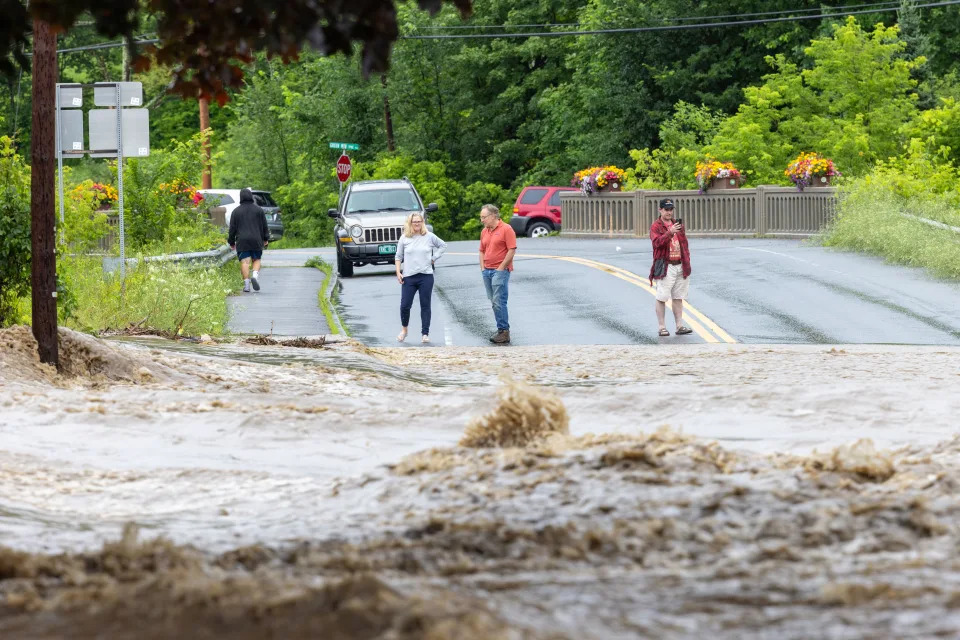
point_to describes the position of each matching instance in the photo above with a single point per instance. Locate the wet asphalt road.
(576, 291)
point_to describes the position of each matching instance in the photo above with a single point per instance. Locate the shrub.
(475, 196)
(157, 191)
(168, 297)
(871, 216)
(305, 220)
(83, 225)
(14, 231)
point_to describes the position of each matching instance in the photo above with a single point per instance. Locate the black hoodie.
(248, 224)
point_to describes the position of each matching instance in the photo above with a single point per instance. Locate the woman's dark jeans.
(422, 282)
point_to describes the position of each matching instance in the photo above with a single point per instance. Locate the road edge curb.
(328, 295)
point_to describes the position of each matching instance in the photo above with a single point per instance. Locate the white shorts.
(673, 286)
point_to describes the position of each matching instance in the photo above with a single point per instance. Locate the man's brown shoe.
(503, 337)
(494, 337)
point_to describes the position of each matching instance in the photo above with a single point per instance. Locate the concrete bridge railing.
(764, 210)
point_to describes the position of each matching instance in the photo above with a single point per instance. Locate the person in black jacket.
(248, 236)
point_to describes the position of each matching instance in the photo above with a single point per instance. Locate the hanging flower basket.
(596, 179)
(811, 170)
(713, 174)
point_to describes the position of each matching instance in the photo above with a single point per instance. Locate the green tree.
(850, 105)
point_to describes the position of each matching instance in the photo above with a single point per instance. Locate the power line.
(587, 32)
(842, 8)
(676, 27)
(104, 45)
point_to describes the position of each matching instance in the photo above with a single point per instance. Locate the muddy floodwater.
(155, 489)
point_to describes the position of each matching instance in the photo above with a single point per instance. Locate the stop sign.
(343, 168)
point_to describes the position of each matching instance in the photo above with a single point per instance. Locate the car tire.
(344, 267)
(539, 230)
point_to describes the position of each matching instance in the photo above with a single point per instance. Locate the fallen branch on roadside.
(308, 343)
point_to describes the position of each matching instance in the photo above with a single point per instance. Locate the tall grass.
(871, 218)
(163, 296)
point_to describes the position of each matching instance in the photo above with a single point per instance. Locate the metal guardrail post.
(761, 210)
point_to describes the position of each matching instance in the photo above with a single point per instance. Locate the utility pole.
(43, 275)
(127, 71)
(206, 177)
(387, 117)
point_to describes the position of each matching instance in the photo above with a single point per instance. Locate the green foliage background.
(14, 230)
(475, 120)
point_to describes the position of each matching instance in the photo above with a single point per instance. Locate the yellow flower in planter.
(712, 170)
(808, 167)
(595, 178)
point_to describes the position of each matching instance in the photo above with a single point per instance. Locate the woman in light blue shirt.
(417, 251)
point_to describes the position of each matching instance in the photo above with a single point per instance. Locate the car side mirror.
(432, 207)
(332, 213)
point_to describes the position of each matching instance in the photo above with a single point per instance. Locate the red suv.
(537, 211)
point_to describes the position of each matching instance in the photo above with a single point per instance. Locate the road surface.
(576, 291)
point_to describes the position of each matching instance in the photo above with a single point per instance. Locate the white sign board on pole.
(71, 130)
(71, 97)
(131, 94)
(103, 132)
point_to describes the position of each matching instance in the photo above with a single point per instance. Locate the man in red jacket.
(671, 266)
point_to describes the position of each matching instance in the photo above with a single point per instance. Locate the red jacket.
(660, 237)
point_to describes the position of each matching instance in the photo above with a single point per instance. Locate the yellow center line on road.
(641, 282)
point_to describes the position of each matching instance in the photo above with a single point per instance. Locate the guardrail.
(764, 210)
(215, 257)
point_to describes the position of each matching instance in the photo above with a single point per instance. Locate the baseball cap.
(666, 203)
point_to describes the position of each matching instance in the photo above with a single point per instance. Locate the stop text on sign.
(343, 168)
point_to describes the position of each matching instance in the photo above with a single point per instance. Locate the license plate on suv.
(388, 248)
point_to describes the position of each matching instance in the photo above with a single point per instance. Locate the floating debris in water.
(525, 413)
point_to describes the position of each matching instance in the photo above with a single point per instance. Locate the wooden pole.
(387, 115)
(42, 183)
(206, 177)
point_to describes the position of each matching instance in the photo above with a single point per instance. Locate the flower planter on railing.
(811, 170)
(598, 179)
(723, 183)
(717, 175)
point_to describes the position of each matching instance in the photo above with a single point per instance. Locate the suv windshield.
(383, 200)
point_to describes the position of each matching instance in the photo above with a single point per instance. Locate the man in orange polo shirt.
(498, 244)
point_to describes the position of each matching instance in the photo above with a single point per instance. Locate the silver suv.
(370, 221)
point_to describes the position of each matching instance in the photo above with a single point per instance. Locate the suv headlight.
(356, 231)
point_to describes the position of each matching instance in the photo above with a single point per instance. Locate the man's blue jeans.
(496, 283)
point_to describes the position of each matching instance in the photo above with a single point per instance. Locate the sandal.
(682, 330)
(402, 336)
(664, 332)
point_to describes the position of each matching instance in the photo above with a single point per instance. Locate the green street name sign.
(346, 146)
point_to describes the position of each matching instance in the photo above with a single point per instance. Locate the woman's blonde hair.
(408, 224)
